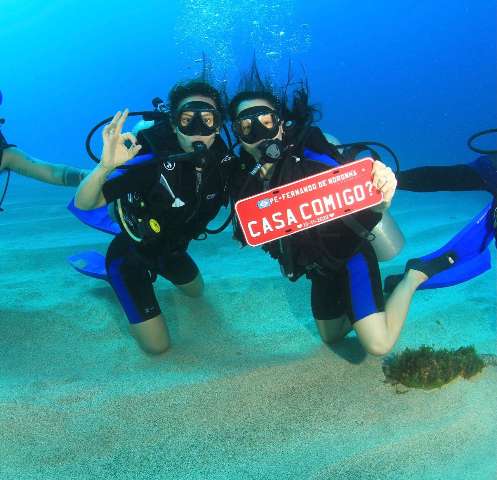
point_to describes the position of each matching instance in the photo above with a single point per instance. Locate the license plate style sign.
(307, 203)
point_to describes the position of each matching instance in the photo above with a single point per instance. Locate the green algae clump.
(428, 368)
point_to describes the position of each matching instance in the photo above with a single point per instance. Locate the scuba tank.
(387, 238)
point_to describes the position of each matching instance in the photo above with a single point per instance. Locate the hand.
(384, 180)
(115, 153)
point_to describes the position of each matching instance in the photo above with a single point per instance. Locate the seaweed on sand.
(428, 368)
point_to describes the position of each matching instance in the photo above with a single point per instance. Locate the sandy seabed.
(248, 390)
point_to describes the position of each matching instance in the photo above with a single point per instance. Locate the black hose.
(5, 189)
(223, 226)
(480, 134)
(147, 115)
(382, 145)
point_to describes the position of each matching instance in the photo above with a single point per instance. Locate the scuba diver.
(15, 160)
(471, 243)
(280, 145)
(162, 202)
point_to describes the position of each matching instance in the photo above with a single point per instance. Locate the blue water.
(418, 75)
(254, 395)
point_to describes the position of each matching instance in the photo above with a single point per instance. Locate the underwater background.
(248, 390)
(416, 75)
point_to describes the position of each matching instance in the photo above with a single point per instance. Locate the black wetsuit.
(180, 216)
(341, 265)
(480, 175)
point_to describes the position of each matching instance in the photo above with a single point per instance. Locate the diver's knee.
(374, 335)
(330, 338)
(152, 335)
(153, 346)
(333, 330)
(196, 291)
(378, 348)
(193, 289)
(155, 349)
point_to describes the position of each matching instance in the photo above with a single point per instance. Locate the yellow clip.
(154, 225)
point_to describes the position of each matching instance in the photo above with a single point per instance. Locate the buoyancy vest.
(328, 246)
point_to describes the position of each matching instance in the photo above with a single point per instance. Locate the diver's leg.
(328, 309)
(152, 335)
(133, 286)
(180, 269)
(364, 302)
(195, 288)
(333, 330)
(378, 331)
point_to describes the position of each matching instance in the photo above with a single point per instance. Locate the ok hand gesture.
(115, 152)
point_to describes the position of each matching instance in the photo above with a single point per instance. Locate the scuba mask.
(197, 119)
(256, 123)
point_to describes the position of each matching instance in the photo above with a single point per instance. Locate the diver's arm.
(89, 194)
(440, 178)
(114, 154)
(57, 174)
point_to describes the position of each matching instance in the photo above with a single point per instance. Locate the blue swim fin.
(98, 218)
(91, 264)
(473, 256)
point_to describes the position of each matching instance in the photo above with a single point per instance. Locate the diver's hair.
(182, 90)
(302, 113)
(202, 84)
(253, 87)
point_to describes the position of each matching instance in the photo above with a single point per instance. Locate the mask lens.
(185, 118)
(267, 120)
(198, 119)
(255, 124)
(244, 126)
(208, 118)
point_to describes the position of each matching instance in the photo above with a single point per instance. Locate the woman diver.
(338, 259)
(15, 160)
(161, 204)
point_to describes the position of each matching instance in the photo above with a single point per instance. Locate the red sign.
(307, 203)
